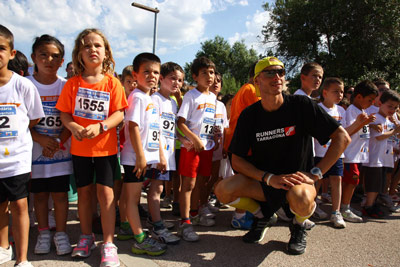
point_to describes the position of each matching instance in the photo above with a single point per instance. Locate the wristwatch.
(103, 127)
(316, 172)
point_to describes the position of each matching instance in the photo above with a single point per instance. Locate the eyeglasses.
(273, 73)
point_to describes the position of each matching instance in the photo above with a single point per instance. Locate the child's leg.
(203, 192)
(41, 201)
(188, 184)
(85, 208)
(4, 220)
(198, 193)
(214, 176)
(168, 187)
(60, 210)
(20, 225)
(336, 191)
(122, 205)
(351, 178)
(153, 199)
(105, 195)
(132, 192)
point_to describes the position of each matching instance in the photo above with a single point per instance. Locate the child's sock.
(124, 225)
(194, 213)
(245, 203)
(140, 237)
(185, 220)
(43, 229)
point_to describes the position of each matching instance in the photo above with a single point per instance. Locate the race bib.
(168, 125)
(8, 121)
(153, 137)
(207, 128)
(51, 124)
(364, 132)
(92, 104)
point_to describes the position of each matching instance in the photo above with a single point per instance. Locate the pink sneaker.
(109, 255)
(85, 246)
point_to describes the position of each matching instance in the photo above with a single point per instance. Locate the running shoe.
(24, 264)
(202, 220)
(205, 212)
(187, 233)
(243, 223)
(165, 236)
(125, 232)
(282, 215)
(43, 242)
(356, 212)
(257, 231)
(308, 224)
(168, 225)
(6, 254)
(149, 246)
(337, 220)
(166, 203)
(395, 208)
(61, 241)
(212, 207)
(349, 216)
(374, 212)
(85, 246)
(319, 214)
(297, 243)
(109, 255)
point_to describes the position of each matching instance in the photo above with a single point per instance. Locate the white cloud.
(253, 36)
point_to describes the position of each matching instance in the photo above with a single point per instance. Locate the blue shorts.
(335, 170)
(158, 175)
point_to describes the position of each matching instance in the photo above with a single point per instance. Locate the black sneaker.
(257, 231)
(297, 243)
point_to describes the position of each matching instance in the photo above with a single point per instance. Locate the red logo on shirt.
(289, 131)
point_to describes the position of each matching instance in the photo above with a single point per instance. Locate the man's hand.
(287, 181)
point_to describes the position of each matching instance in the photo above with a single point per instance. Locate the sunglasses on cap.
(272, 73)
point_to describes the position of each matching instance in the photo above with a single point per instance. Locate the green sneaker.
(125, 232)
(149, 246)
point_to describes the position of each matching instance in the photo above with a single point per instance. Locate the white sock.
(239, 216)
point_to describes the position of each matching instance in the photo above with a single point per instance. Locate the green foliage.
(351, 39)
(233, 62)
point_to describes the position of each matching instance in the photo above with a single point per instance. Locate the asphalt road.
(372, 243)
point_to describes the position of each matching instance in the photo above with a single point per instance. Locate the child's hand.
(371, 118)
(362, 118)
(91, 131)
(376, 127)
(187, 144)
(78, 132)
(48, 143)
(140, 166)
(198, 145)
(48, 153)
(162, 165)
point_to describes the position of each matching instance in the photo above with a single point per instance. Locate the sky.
(182, 25)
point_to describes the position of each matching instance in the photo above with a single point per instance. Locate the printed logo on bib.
(51, 124)
(207, 107)
(168, 124)
(364, 132)
(153, 136)
(207, 128)
(92, 104)
(8, 121)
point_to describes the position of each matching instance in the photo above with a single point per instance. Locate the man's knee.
(301, 199)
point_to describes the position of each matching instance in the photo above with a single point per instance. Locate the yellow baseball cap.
(262, 64)
(266, 62)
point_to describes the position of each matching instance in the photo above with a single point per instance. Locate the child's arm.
(388, 134)
(93, 130)
(361, 120)
(70, 124)
(47, 142)
(162, 165)
(134, 135)
(33, 123)
(186, 143)
(197, 144)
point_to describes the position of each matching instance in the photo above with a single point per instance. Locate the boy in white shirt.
(311, 75)
(380, 153)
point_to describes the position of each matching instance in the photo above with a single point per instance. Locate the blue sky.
(182, 25)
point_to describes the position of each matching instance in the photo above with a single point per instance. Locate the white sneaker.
(202, 220)
(282, 215)
(319, 213)
(43, 242)
(337, 220)
(165, 236)
(349, 216)
(205, 212)
(394, 208)
(212, 207)
(61, 241)
(309, 224)
(186, 231)
(356, 212)
(23, 264)
(6, 254)
(52, 221)
(166, 203)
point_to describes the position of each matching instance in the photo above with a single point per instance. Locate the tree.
(233, 62)
(351, 39)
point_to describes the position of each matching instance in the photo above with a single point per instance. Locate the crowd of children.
(91, 123)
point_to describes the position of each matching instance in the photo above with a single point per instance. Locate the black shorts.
(276, 198)
(86, 167)
(57, 184)
(15, 187)
(375, 179)
(130, 176)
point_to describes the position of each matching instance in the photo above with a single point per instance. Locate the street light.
(155, 11)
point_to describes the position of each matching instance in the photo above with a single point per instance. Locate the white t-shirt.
(301, 92)
(61, 162)
(198, 110)
(381, 152)
(221, 120)
(372, 110)
(357, 150)
(19, 103)
(167, 109)
(141, 110)
(339, 114)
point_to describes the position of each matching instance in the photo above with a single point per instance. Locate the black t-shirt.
(280, 141)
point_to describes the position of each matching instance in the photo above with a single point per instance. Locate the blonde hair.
(108, 63)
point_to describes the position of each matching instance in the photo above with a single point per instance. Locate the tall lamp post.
(155, 11)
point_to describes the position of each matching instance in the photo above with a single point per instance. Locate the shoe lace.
(108, 252)
(298, 234)
(83, 242)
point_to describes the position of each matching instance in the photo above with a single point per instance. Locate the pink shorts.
(192, 163)
(351, 173)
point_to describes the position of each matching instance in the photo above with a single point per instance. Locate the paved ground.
(373, 243)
